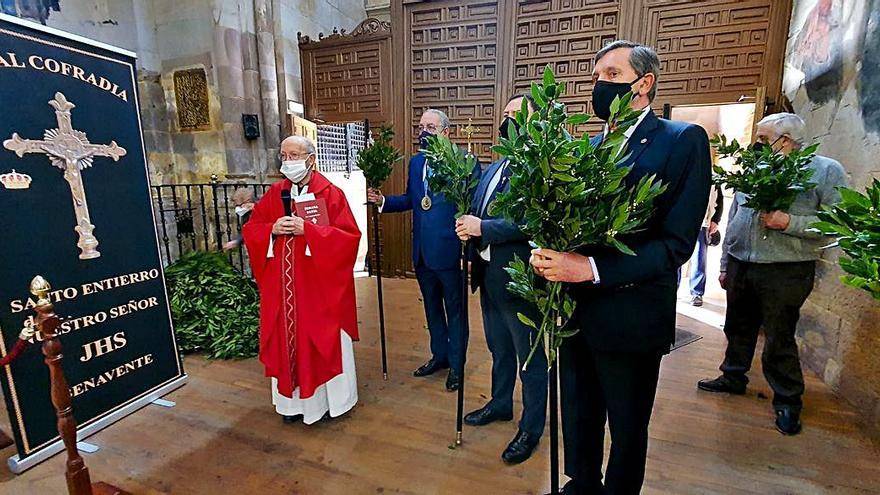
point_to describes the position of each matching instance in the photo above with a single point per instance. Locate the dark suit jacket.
(505, 238)
(433, 231)
(632, 308)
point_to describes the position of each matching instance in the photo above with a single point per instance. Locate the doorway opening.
(339, 146)
(735, 121)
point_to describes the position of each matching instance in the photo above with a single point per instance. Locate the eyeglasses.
(293, 156)
(432, 128)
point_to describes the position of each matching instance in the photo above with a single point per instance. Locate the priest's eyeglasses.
(293, 156)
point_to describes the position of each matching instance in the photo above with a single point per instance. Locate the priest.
(302, 241)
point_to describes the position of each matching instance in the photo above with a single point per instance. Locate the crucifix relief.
(468, 132)
(71, 151)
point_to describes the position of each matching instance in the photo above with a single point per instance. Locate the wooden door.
(347, 76)
(565, 34)
(302, 127)
(450, 56)
(712, 51)
(467, 57)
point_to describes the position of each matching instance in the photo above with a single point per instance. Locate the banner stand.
(77, 109)
(84, 431)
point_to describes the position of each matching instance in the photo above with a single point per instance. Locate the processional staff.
(47, 323)
(468, 131)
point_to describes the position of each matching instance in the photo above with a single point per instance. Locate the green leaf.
(537, 96)
(577, 119)
(623, 248)
(526, 320)
(549, 78)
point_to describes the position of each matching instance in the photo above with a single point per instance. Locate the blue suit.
(508, 339)
(436, 258)
(610, 368)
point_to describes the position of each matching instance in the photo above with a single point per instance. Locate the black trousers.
(770, 296)
(617, 387)
(510, 342)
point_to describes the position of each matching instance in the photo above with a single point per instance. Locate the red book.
(314, 211)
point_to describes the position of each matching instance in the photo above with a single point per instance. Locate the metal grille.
(200, 217)
(339, 146)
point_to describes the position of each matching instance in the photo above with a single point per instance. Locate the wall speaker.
(251, 124)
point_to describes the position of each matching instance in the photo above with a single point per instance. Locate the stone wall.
(380, 9)
(311, 18)
(832, 78)
(234, 42)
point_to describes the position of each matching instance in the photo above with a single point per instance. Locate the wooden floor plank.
(223, 436)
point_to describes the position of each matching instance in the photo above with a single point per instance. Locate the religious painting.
(191, 95)
(869, 77)
(818, 52)
(37, 10)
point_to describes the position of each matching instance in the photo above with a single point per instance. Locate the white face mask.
(241, 210)
(295, 170)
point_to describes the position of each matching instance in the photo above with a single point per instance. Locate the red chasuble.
(304, 300)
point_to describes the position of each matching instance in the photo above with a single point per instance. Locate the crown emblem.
(15, 180)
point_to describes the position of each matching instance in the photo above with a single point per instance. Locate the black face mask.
(423, 139)
(604, 93)
(759, 147)
(506, 124)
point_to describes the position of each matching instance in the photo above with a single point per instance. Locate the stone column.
(264, 27)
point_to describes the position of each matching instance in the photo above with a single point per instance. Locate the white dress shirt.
(486, 253)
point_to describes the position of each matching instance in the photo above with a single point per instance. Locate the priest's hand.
(776, 220)
(284, 226)
(468, 226)
(561, 267)
(298, 226)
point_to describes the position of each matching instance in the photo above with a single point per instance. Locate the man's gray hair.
(444, 120)
(302, 141)
(643, 60)
(786, 124)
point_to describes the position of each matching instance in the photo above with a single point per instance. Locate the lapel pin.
(644, 140)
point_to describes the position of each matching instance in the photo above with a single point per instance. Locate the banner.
(76, 209)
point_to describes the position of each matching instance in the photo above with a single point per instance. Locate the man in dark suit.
(626, 304)
(496, 243)
(435, 255)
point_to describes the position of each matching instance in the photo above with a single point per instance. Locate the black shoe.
(570, 488)
(520, 448)
(292, 419)
(431, 367)
(788, 422)
(453, 381)
(722, 384)
(484, 416)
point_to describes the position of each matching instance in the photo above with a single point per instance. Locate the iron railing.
(191, 217)
(339, 146)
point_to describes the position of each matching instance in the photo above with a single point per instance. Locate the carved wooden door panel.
(347, 76)
(565, 34)
(451, 63)
(713, 51)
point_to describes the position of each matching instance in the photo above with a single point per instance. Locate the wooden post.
(77, 474)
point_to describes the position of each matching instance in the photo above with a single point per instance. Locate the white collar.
(632, 129)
